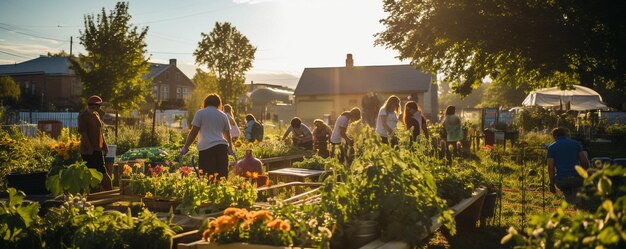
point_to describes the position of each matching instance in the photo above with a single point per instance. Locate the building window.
(179, 93)
(185, 92)
(155, 91)
(165, 92)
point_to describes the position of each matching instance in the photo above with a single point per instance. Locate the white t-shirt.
(342, 121)
(392, 122)
(234, 130)
(212, 123)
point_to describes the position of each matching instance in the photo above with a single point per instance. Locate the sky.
(290, 35)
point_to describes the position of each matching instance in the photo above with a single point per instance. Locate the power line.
(16, 55)
(27, 34)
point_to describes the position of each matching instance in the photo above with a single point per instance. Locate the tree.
(541, 43)
(500, 94)
(9, 90)
(205, 83)
(227, 54)
(61, 53)
(115, 61)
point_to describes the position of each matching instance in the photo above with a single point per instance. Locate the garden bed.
(468, 207)
(280, 162)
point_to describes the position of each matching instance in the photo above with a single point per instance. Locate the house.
(47, 83)
(329, 91)
(170, 86)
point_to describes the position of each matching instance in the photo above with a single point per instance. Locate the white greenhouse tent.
(579, 99)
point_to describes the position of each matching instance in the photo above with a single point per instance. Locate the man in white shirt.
(214, 143)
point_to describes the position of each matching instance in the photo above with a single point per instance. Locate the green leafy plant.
(316, 162)
(17, 219)
(21, 155)
(74, 179)
(195, 193)
(599, 227)
(70, 226)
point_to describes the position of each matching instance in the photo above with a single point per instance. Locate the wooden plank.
(373, 245)
(296, 172)
(395, 245)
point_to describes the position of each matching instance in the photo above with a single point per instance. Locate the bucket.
(112, 150)
(363, 232)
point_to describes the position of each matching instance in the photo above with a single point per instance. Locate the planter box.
(294, 175)
(280, 162)
(30, 183)
(466, 205)
(207, 245)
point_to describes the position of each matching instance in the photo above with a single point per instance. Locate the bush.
(540, 119)
(19, 154)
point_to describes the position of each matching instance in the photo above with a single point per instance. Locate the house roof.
(362, 79)
(42, 65)
(155, 70)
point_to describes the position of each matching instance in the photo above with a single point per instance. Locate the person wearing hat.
(93, 147)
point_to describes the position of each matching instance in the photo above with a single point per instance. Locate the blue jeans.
(570, 186)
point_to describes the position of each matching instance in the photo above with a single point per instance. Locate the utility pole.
(71, 44)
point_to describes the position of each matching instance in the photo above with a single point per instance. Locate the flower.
(137, 165)
(127, 170)
(255, 175)
(185, 170)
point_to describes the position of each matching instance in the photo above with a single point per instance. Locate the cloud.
(27, 49)
(252, 1)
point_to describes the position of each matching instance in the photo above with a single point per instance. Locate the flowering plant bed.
(191, 191)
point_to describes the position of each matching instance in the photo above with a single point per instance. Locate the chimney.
(173, 62)
(349, 61)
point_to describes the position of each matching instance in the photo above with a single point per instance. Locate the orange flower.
(127, 170)
(238, 144)
(248, 174)
(231, 211)
(261, 215)
(245, 226)
(285, 226)
(200, 171)
(267, 182)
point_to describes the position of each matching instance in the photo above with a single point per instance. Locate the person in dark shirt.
(563, 156)
(414, 120)
(93, 147)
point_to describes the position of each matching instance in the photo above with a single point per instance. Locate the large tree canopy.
(115, 61)
(228, 54)
(540, 42)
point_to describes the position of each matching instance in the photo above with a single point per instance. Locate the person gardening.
(93, 147)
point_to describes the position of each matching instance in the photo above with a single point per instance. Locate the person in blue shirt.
(563, 156)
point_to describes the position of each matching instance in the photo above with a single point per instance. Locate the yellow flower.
(255, 175)
(137, 165)
(127, 170)
(149, 195)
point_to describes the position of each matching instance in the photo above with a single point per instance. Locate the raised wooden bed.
(207, 245)
(280, 162)
(465, 207)
(294, 175)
